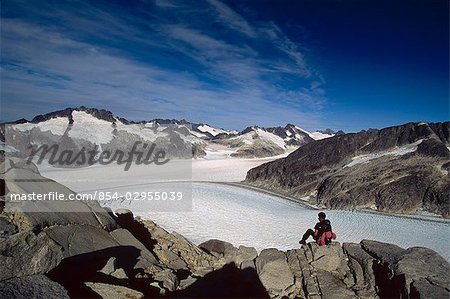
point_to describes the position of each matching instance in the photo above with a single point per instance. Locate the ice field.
(247, 217)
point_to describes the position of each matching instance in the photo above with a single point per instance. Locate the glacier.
(248, 217)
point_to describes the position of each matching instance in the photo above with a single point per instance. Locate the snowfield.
(319, 135)
(82, 128)
(399, 151)
(213, 131)
(225, 169)
(145, 132)
(217, 166)
(315, 135)
(56, 126)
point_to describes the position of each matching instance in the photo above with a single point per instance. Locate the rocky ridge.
(402, 169)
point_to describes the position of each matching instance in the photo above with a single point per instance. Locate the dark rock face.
(7, 228)
(396, 169)
(258, 149)
(331, 132)
(291, 130)
(98, 113)
(25, 253)
(33, 286)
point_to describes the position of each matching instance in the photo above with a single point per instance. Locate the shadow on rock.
(227, 282)
(137, 229)
(386, 286)
(72, 272)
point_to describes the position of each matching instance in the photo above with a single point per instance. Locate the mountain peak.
(97, 113)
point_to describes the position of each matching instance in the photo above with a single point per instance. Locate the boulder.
(274, 272)
(124, 215)
(248, 264)
(124, 237)
(361, 266)
(332, 287)
(108, 291)
(244, 254)
(423, 272)
(387, 253)
(36, 215)
(156, 231)
(293, 259)
(25, 254)
(422, 288)
(174, 251)
(268, 255)
(25, 181)
(123, 212)
(168, 279)
(224, 249)
(327, 257)
(79, 239)
(33, 286)
(111, 269)
(202, 271)
(119, 273)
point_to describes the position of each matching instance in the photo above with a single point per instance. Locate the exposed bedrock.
(402, 169)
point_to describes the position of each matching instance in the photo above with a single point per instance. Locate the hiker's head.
(322, 216)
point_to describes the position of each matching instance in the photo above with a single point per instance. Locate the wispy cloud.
(149, 63)
(232, 19)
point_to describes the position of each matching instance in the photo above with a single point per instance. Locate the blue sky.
(344, 65)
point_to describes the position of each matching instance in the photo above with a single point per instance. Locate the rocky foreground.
(95, 253)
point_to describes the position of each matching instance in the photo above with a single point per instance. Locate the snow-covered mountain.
(265, 142)
(75, 128)
(208, 132)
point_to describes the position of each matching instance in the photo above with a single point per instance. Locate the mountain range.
(75, 128)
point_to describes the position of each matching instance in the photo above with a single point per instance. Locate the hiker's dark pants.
(308, 234)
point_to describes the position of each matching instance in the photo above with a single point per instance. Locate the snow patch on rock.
(315, 135)
(397, 151)
(211, 130)
(319, 135)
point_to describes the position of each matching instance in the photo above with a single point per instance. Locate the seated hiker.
(322, 232)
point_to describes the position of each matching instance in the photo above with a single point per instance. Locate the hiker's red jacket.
(324, 236)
